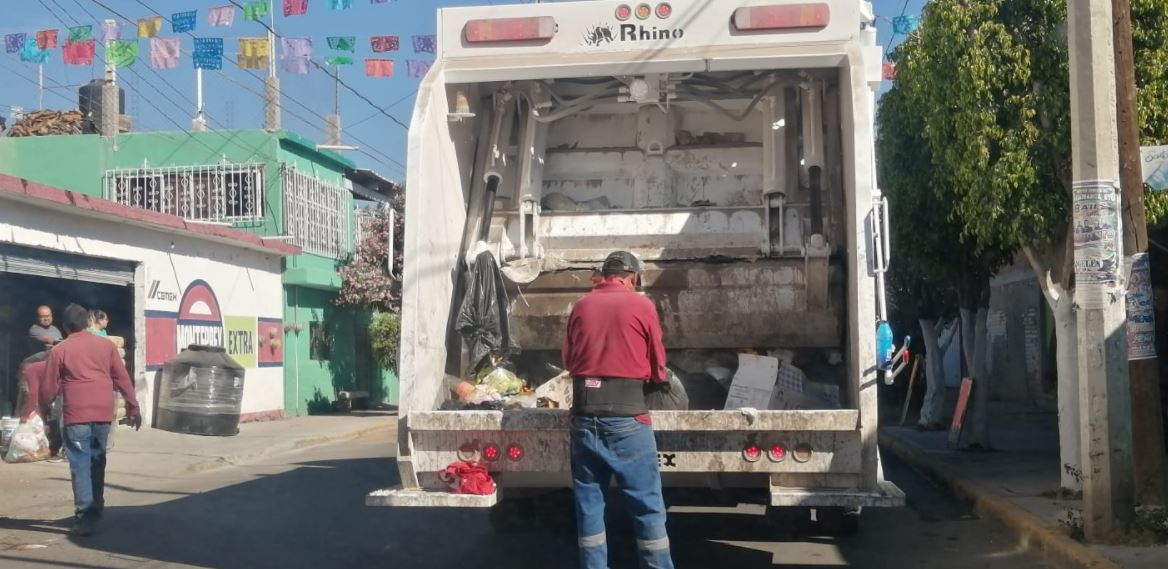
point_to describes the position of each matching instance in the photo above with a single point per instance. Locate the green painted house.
(276, 184)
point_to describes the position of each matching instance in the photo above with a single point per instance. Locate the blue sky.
(163, 99)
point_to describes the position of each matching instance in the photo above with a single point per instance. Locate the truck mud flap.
(886, 496)
(417, 498)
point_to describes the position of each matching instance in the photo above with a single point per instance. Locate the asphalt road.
(305, 509)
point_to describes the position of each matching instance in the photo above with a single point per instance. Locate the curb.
(213, 463)
(1032, 531)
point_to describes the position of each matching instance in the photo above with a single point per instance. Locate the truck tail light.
(664, 10)
(491, 452)
(515, 452)
(802, 452)
(503, 30)
(777, 453)
(623, 12)
(782, 17)
(752, 453)
(644, 11)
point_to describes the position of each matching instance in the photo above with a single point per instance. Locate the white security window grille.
(225, 192)
(315, 214)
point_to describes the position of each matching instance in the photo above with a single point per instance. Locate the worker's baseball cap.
(621, 261)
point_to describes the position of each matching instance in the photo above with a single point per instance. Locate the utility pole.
(1147, 422)
(199, 124)
(110, 110)
(1104, 397)
(272, 85)
(333, 122)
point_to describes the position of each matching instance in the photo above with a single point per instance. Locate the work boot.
(84, 526)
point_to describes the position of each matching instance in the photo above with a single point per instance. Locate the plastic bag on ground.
(29, 442)
(671, 398)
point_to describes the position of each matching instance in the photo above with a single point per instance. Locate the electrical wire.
(282, 95)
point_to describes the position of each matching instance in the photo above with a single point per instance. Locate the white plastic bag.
(29, 442)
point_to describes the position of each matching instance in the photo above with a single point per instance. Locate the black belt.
(608, 397)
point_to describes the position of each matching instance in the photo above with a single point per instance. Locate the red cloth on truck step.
(468, 477)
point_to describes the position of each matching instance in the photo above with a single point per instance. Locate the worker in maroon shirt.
(613, 350)
(86, 369)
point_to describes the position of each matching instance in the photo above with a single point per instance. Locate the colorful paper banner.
(208, 53)
(79, 52)
(379, 67)
(343, 43)
(80, 33)
(183, 22)
(46, 39)
(165, 52)
(382, 44)
(149, 27)
(122, 53)
(223, 16)
(295, 7)
(425, 44)
(417, 68)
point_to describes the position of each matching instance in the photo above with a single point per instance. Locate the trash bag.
(29, 442)
(501, 380)
(482, 319)
(467, 477)
(668, 396)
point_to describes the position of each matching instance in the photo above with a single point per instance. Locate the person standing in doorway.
(86, 369)
(98, 322)
(613, 350)
(43, 335)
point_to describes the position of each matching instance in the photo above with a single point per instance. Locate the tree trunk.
(933, 407)
(1067, 364)
(982, 383)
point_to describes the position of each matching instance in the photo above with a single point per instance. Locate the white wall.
(245, 282)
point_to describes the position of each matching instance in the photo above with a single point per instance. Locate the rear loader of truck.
(729, 145)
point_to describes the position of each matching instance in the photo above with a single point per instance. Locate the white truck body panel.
(627, 154)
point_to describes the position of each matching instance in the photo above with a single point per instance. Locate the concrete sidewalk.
(1016, 485)
(156, 455)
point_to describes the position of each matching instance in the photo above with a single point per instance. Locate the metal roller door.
(52, 264)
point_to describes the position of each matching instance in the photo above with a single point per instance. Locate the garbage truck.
(730, 146)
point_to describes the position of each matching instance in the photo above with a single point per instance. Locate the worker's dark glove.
(134, 419)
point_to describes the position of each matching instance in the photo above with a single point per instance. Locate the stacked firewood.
(46, 123)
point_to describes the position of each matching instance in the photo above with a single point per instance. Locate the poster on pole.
(1141, 310)
(1097, 242)
(1154, 162)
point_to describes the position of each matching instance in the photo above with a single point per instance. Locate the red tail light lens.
(664, 10)
(752, 453)
(782, 17)
(515, 452)
(623, 12)
(491, 452)
(777, 453)
(500, 30)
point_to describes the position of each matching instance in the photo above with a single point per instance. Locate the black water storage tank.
(201, 393)
(89, 101)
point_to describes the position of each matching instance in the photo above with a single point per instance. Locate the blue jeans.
(604, 447)
(85, 445)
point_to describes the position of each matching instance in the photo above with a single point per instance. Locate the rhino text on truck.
(728, 144)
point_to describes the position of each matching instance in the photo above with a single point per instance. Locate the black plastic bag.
(668, 396)
(483, 318)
